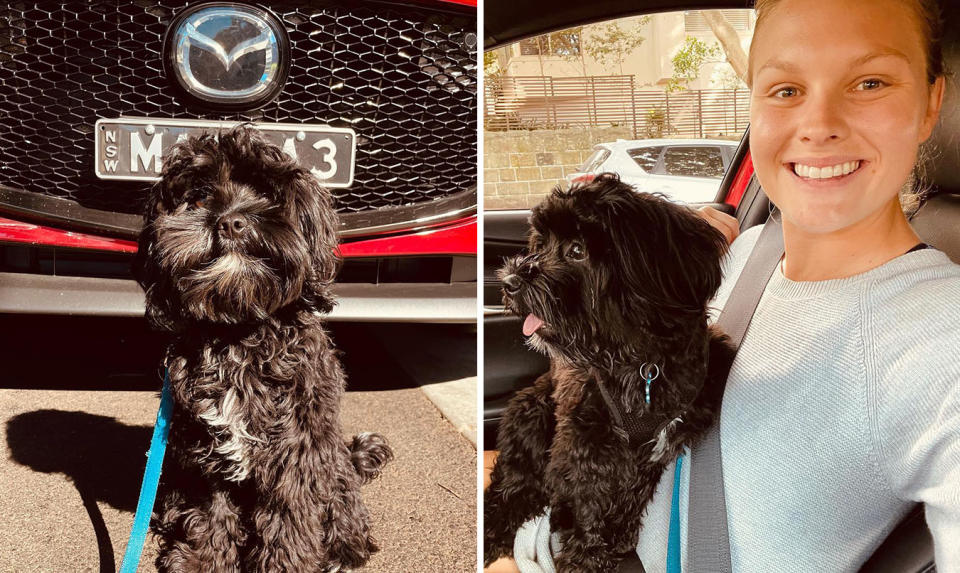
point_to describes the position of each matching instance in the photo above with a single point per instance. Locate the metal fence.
(543, 102)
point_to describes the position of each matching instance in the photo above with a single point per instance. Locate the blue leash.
(151, 478)
(673, 540)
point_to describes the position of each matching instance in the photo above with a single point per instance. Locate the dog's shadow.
(103, 458)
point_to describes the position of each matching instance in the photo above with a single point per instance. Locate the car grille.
(403, 78)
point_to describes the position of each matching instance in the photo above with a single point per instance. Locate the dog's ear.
(185, 162)
(314, 213)
(662, 249)
(145, 268)
(699, 249)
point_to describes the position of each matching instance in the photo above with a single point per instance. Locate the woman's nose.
(822, 119)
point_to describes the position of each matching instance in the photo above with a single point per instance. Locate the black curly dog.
(614, 282)
(237, 256)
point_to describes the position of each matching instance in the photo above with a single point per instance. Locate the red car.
(378, 99)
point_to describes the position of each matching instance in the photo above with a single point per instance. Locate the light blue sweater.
(842, 409)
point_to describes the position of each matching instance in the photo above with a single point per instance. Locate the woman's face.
(839, 105)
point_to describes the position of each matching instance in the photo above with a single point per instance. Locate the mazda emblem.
(230, 55)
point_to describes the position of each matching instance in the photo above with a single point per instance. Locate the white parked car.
(684, 170)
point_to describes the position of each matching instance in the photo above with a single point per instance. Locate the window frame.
(657, 165)
(718, 148)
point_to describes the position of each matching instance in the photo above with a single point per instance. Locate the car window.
(634, 83)
(593, 162)
(645, 157)
(693, 161)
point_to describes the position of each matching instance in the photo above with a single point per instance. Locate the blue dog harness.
(151, 479)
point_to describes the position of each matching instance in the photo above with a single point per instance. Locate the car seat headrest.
(937, 224)
(944, 173)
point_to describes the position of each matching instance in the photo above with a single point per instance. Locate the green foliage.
(688, 61)
(493, 76)
(609, 43)
(565, 43)
(491, 63)
(657, 123)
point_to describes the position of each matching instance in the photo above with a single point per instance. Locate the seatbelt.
(708, 540)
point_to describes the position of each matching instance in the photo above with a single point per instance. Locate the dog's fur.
(619, 278)
(258, 476)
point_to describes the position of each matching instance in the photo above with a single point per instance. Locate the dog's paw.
(663, 449)
(369, 452)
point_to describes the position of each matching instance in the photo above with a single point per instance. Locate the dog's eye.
(198, 197)
(576, 251)
(197, 200)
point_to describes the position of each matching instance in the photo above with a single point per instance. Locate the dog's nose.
(511, 283)
(232, 225)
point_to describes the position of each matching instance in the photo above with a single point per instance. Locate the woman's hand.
(489, 458)
(724, 223)
(502, 565)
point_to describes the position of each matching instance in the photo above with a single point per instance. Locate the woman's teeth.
(825, 172)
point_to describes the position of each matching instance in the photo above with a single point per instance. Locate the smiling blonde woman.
(842, 409)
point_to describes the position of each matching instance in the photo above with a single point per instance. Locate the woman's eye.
(576, 251)
(785, 93)
(869, 85)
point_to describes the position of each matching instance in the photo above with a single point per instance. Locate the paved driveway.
(76, 413)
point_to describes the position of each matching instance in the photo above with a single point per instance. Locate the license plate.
(133, 148)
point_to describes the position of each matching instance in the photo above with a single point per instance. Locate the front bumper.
(426, 276)
(22, 293)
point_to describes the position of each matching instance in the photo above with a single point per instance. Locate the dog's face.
(607, 266)
(234, 231)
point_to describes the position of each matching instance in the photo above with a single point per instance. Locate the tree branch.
(729, 41)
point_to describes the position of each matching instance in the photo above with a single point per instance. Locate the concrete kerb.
(457, 401)
(443, 361)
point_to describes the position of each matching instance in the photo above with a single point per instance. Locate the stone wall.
(520, 167)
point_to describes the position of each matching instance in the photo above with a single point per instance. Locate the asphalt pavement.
(78, 398)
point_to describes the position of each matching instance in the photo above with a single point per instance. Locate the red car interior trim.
(739, 186)
(20, 232)
(457, 238)
(458, 4)
(584, 178)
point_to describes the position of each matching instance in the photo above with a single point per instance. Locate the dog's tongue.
(531, 324)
